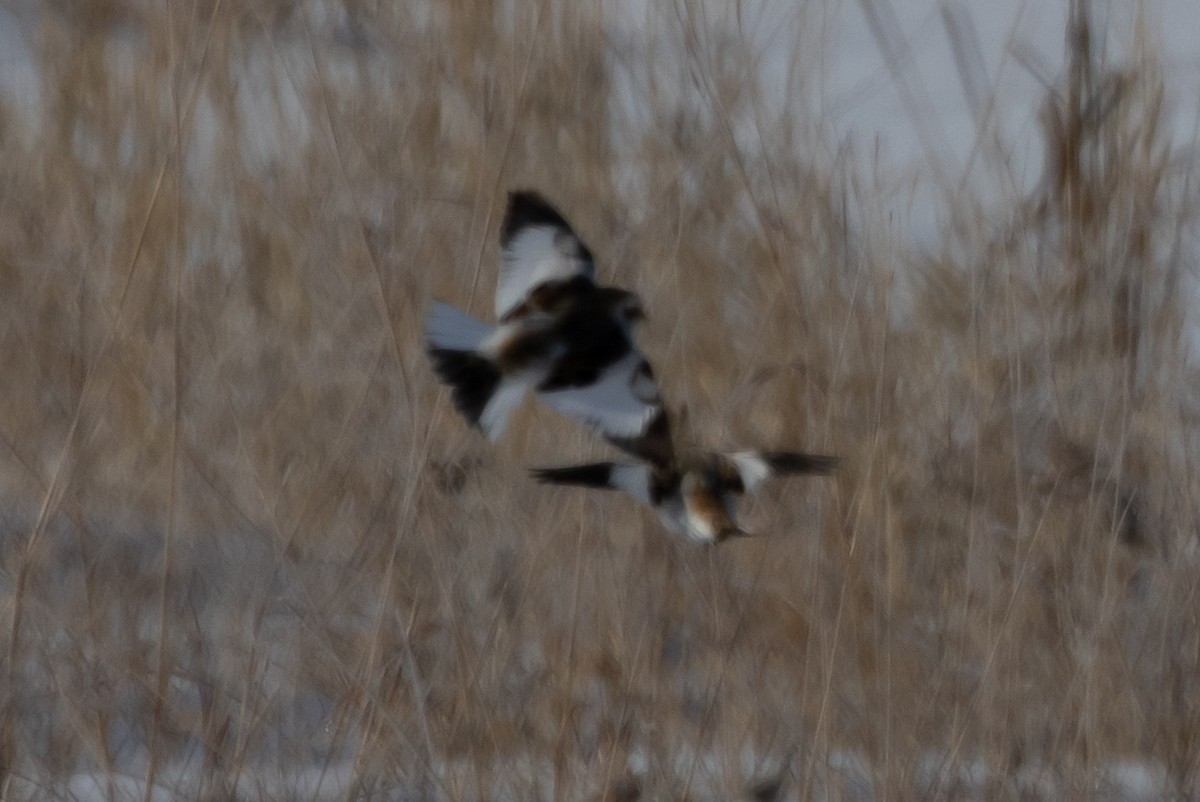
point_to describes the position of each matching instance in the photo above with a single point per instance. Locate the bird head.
(706, 507)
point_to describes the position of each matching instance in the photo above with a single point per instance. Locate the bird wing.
(541, 257)
(653, 445)
(623, 404)
(632, 477)
(753, 467)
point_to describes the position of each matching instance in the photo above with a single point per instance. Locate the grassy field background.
(247, 549)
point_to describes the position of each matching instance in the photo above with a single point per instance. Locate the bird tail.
(479, 390)
(454, 330)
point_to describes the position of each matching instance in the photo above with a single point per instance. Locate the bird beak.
(732, 531)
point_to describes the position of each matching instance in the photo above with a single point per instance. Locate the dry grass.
(244, 535)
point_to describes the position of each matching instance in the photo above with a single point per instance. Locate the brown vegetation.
(244, 531)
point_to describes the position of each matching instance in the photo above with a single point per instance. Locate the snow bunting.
(559, 333)
(694, 495)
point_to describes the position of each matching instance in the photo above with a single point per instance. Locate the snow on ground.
(845, 776)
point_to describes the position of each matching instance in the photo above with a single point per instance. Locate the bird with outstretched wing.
(559, 334)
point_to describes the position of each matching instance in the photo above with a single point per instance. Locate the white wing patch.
(533, 256)
(751, 467)
(621, 403)
(633, 478)
(508, 396)
(450, 328)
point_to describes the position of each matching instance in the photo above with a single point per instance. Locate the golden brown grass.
(245, 534)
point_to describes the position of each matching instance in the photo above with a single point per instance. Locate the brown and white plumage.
(559, 334)
(694, 494)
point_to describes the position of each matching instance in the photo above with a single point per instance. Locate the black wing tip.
(596, 474)
(527, 207)
(799, 462)
(519, 198)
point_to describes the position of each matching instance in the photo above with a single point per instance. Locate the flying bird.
(559, 334)
(694, 494)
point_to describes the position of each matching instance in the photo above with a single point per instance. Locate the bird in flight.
(694, 493)
(559, 334)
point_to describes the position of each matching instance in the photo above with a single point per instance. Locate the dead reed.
(247, 545)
